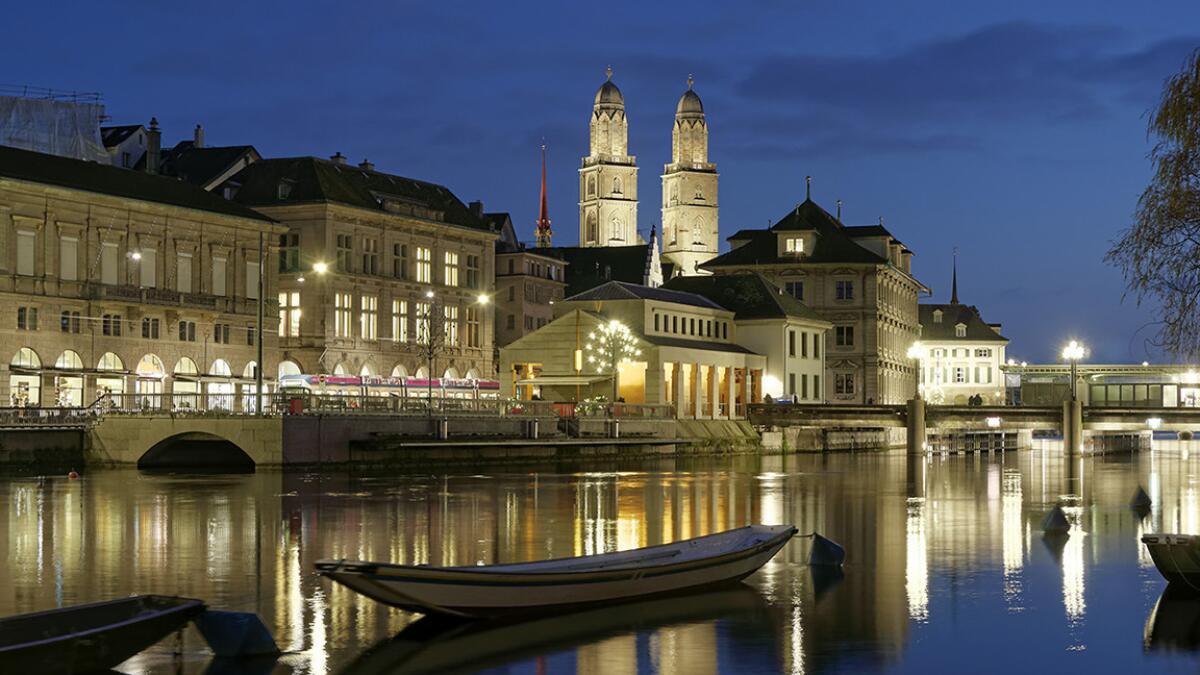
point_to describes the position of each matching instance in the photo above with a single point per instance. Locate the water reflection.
(937, 548)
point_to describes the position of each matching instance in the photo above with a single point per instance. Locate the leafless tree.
(1159, 253)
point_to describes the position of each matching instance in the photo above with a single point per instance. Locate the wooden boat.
(1174, 623)
(1177, 557)
(442, 645)
(563, 583)
(97, 636)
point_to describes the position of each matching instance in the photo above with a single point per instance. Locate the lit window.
(794, 245)
(424, 309)
(369, 317)
(342, 306)
(450, 272)
(450, 331)
(289, 314)
(399, 321)
(424, 265)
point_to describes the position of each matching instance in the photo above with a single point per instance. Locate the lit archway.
(340, 369)
(220, 393)
(68, 389)
(451, 373)
(148, 387)
(472, 374)
(25, 382)
(110, 381)
(185, 385)
(399, 371)
(289, 368)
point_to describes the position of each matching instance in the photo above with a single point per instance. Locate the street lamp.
(915, 352)
(1073, 352)
(321, 267)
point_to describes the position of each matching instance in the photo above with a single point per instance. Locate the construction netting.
(56, 127)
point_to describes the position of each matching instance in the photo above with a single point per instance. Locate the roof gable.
(832, 243)
(953, 316)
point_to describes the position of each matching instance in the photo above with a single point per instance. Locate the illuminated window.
(960, 330)
(794, 245)
(342, 306)
(368, 317)
(289, 314)
(450, 331)
(399, 321)
(450, 271)
(424, 265)
(423, 311)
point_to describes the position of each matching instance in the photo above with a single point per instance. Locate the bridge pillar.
(1072, 427)
(916, 426)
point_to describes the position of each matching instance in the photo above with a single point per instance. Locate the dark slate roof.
(871, 231)
(952, 315)
(590, 266)
(696, 344)
(200, 166)
(748, 296)
(110, 180)
(113, 136)
(833, 243)
(319, 180)
(620, 290)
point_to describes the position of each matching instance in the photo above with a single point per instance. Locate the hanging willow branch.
(1160, 252)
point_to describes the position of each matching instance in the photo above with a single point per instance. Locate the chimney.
(153, 146)
(366, 165)
(198, 137)
(338, 158)
(476, 208)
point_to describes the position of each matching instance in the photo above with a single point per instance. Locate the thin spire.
(690, 81)
(543, 222)
(609, 72)
(808, 187)
(954, 280)
(839, 205)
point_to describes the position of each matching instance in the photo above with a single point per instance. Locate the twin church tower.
(608, 199)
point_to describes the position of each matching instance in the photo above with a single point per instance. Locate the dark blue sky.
(1014, 131)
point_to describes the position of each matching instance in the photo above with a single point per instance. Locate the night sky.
(1014, 131)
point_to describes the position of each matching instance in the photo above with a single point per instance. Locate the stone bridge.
(164, 441)
(1072, 419)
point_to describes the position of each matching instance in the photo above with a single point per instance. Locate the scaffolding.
(53, 121)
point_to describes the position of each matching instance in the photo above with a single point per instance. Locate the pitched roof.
(37, 167)
(114, 136)
(748, 295)
(310, 180)
(832, 243)
(952, 315)
(590, 266)
(620, 290)
(663, 341)
(200, 166)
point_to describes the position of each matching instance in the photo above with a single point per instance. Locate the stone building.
(689, 353)
(120, 282)
(857, 278)
(961, 355)
(689, 191)
(608, 197)
(370, 261)
(528, 283)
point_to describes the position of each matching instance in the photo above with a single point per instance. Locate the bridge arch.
(196, 450)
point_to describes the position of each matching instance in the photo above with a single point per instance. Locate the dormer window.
(284, 189)
(960, 330)
(937, 316)
(793, 245)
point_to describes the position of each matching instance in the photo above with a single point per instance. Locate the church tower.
(608, 175)
(689, 190)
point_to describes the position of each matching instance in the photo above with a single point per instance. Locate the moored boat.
(1177, 557)
(96, 636)
(563, 583)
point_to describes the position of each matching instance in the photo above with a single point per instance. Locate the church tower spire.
(689, 189)
(608, 175)
(954, 280)
(543, 222)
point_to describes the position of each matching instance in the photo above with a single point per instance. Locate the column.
(745, 393)
(916, 426)
(695, 393)
(677, 389)
(730, 390)
(714, 393)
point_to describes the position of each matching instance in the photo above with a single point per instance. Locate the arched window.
(248, 371)
(26, 358)
(150, 366)
(367, 370)
(185, 366)
(399, 371)
(451, 373)
(340, 369)
(110, 361)
(697, 233)
(472, 374)
(616, 185)
(288, 368)
(220, 368)
(422, 373)
(69, 360)
(592, 235)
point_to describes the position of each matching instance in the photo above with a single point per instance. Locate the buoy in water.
(1140, 500)
(1056, 521)
(72, 475)
(826, 552)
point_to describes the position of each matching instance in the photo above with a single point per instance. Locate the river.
(947, 570)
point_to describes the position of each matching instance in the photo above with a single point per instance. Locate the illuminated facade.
(122, 284)
(608, 197)
(689, 191)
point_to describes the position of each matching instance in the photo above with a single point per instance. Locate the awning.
(565, 380)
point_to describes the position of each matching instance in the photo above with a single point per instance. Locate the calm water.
(947, 569)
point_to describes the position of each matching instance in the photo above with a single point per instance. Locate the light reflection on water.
(947, 568)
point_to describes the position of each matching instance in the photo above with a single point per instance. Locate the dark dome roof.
(609, 94)
(689, 103)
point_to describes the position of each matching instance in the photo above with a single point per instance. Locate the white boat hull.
(564, 583)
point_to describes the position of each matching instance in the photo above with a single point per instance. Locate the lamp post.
(915, 352)
(1073, 352)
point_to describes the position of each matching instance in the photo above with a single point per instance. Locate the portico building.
(687, 354)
